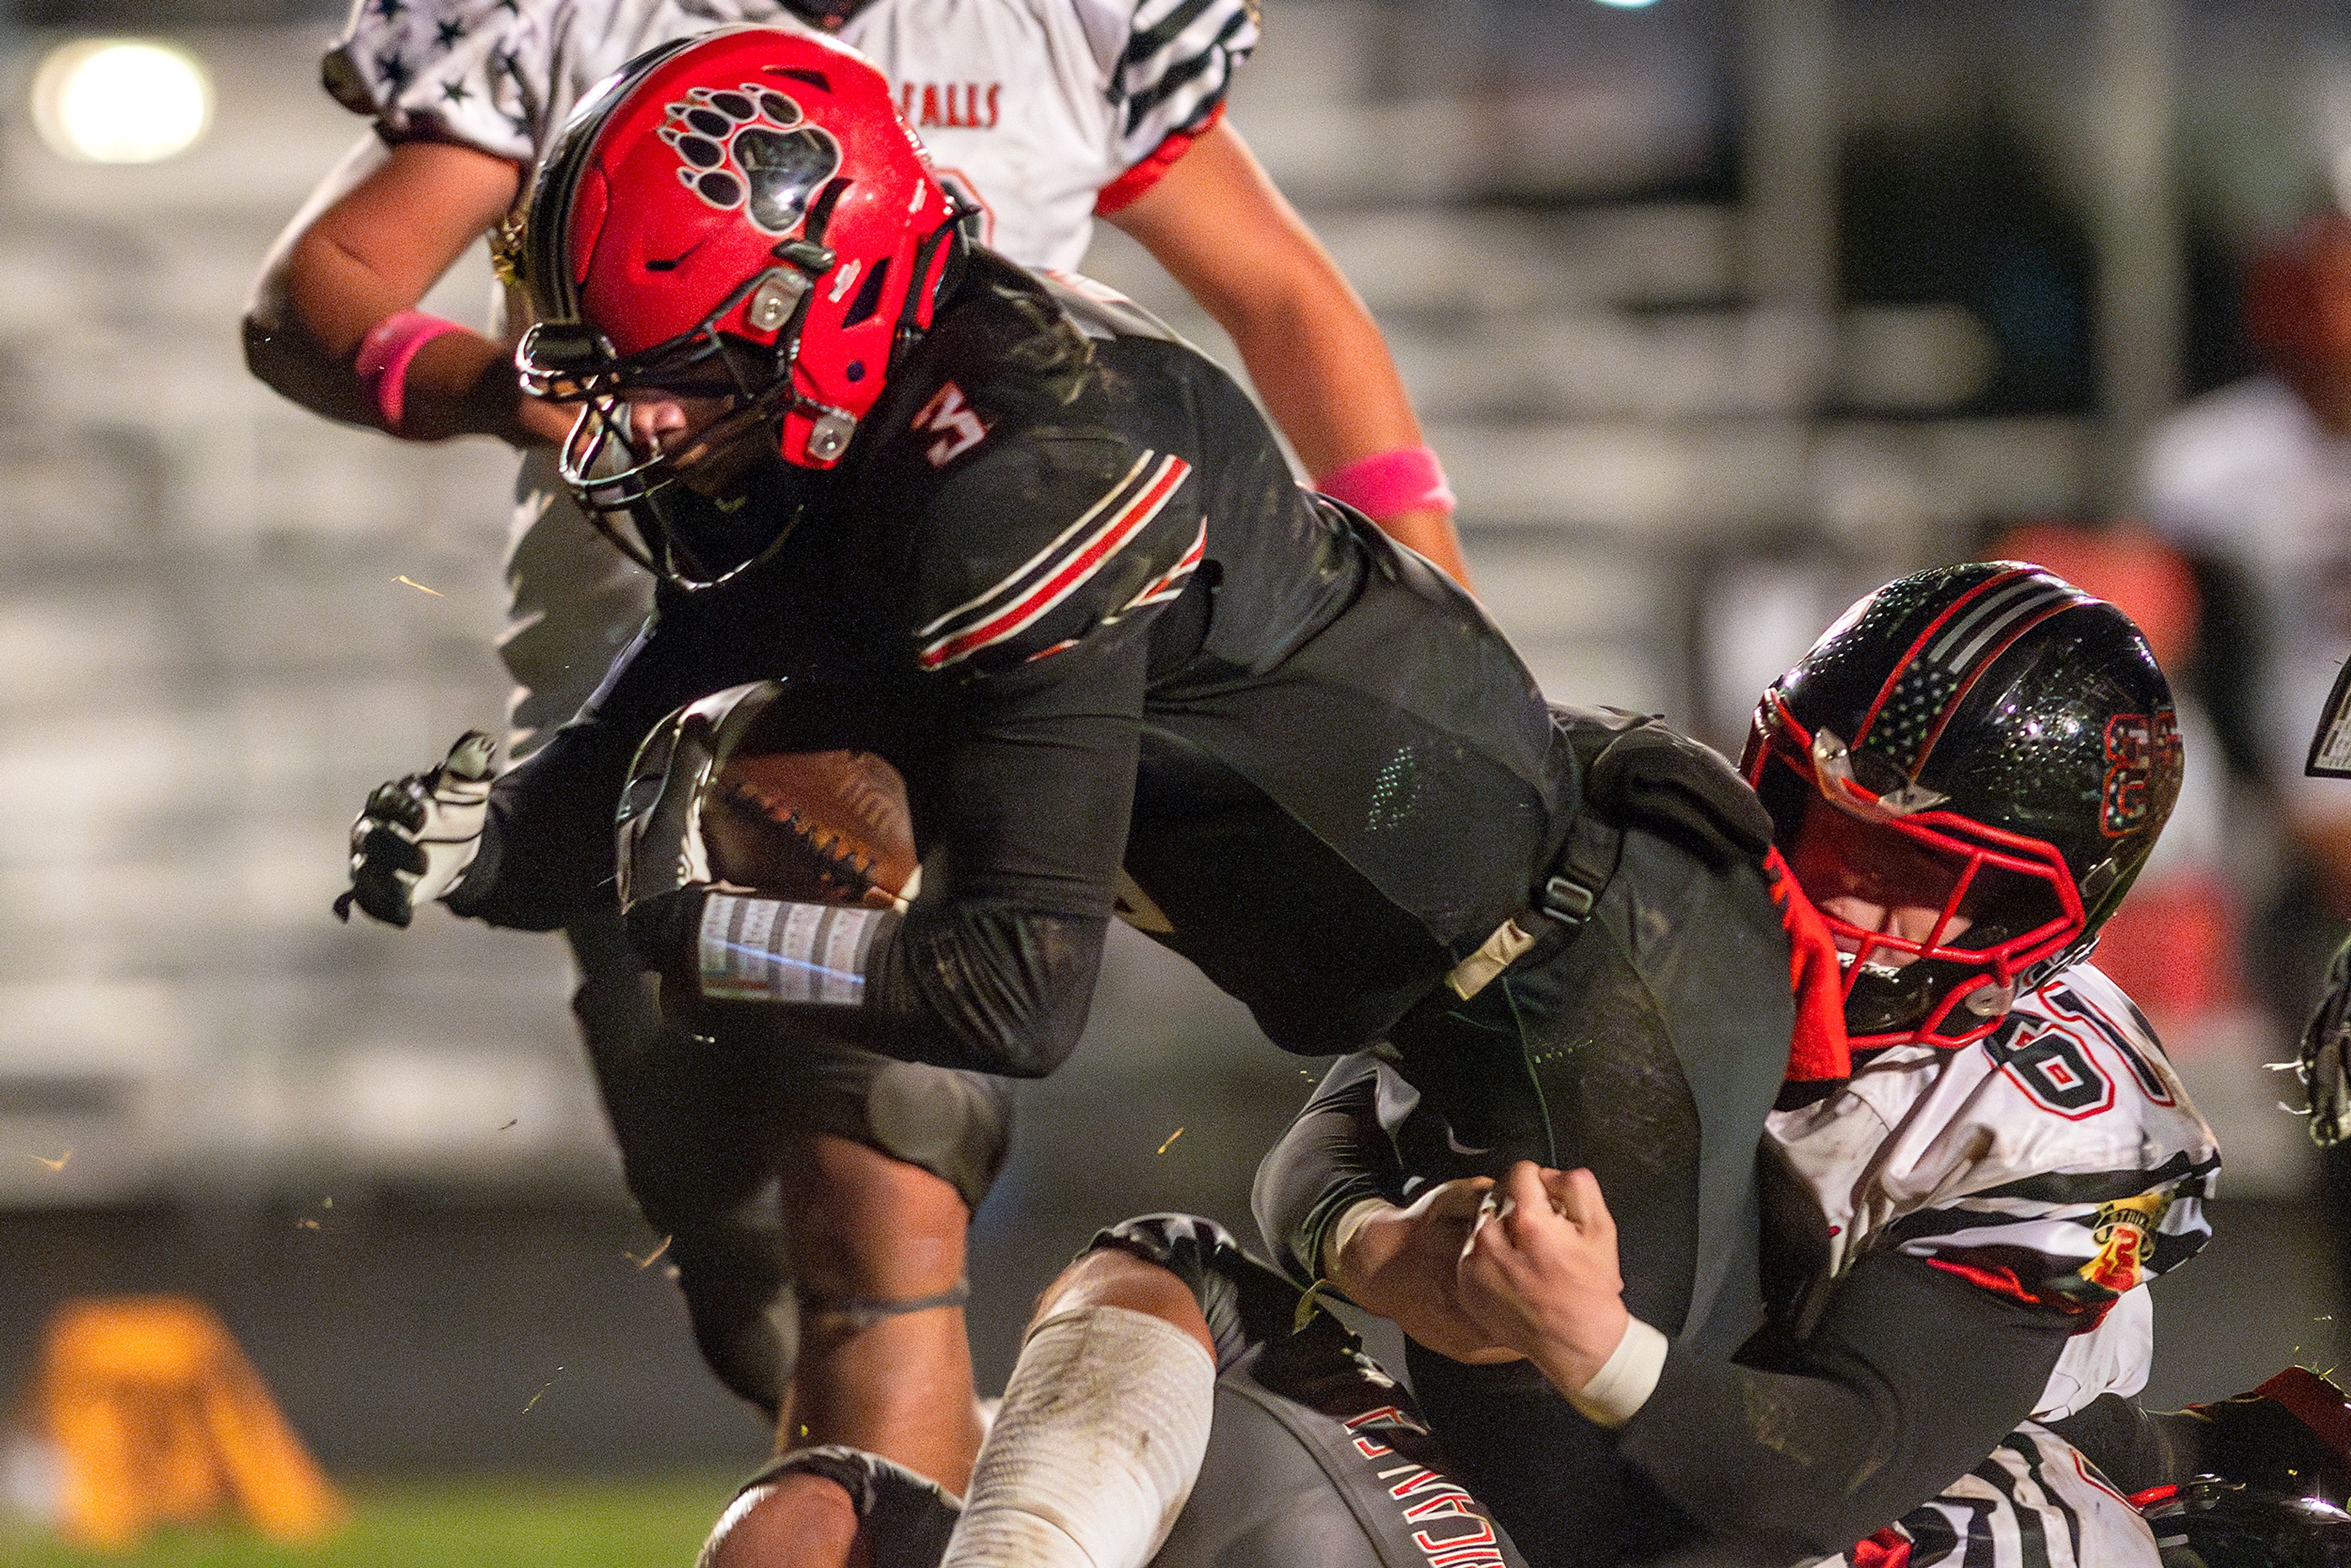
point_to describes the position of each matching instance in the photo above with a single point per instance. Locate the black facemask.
(830, 14)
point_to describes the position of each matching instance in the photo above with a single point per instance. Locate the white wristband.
(1626, 1379)
(1352, 1219)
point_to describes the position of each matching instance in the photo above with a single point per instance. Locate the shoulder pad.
(1102, 312)
(1025, 555)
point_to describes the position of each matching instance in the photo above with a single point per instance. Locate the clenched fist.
(1400, 1264)
(1538, 1272)
(416, 835)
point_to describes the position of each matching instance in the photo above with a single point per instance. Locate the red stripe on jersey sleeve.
(1128, 188)
(1105, 541)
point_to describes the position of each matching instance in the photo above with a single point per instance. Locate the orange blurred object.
(2172, 947)
(158, 1417)
(2297, 302)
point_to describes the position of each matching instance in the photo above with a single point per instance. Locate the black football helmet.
(2008, 727)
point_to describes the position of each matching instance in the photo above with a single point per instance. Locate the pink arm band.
(1389, 484)
(385, 354)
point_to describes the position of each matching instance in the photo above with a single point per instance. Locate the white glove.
(416, 836)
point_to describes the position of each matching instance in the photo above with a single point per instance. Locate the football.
(814, 827)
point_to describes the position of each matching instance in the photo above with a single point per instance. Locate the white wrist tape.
(1334, 1241)
(1626, 1379)
(1094, 1448)
(755, 949)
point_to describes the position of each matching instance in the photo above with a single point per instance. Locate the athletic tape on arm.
(765, 950)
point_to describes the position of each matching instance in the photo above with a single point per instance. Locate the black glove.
(1638, 772)
(2326, 1042)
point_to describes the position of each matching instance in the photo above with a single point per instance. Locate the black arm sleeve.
(2136, 1448)
(547, 846)
(1911, 1378)
(992, 968)
(1334, 1154)
(2249, 1439)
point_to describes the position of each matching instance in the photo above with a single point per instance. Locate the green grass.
(479, 1523)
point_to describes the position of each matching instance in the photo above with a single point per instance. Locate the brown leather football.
(815, 827)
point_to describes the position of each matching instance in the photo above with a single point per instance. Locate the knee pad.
(1245, 1302)
(955, 1125)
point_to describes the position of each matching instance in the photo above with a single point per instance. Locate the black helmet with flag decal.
(1986, 744)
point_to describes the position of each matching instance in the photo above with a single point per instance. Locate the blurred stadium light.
(122, 100)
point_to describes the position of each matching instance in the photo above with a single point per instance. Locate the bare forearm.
(1319, 362)
(461, 384)
(371, 240)
(1221, 229)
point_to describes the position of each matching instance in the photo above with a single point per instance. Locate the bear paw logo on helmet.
(751, 147)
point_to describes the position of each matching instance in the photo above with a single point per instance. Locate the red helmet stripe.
(1894, 676)
(2024, 619)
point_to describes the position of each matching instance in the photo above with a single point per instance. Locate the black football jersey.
(1065, 581)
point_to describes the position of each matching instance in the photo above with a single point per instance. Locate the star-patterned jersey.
(1044, 110)
(1043, 113)
(2058, 1162)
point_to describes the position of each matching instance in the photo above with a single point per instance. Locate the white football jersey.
(1035, 108)
(2058, 1160)
(2247, 474)
(1040, 112)
(2035, 1502)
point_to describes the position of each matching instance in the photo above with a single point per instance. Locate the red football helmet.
(741, 213)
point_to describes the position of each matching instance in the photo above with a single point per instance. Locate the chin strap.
(949, 232)
(1819, 1052)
